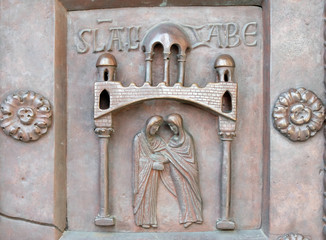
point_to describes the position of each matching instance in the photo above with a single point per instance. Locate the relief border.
(324, 157)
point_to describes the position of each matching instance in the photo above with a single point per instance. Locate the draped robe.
(185, 176)
(145, 179)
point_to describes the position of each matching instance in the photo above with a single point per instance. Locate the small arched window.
(227, 102)
(104, 100)
(106, 75)
(226, 76)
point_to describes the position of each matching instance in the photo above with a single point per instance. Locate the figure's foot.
(146, 226)
(187, 224)
(154, 225)
(199, 221)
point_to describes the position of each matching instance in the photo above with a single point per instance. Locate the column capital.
(166, 55)
(182, 57)
(104, 132)
(149, 56)
(227, 136)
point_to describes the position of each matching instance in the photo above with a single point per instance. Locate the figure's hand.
(158, 166)
(158, 158)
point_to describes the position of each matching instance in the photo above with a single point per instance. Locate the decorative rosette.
(25, 116)
(298, 114)
(292, 236)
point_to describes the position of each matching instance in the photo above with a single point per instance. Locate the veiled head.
(175, 122)
(153, 124)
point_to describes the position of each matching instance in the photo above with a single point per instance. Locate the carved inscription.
(176, 165)
(120, 38)
(126, 38)
(223, 35)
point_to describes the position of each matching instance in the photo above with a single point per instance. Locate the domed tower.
(167, 34)
(106, 67)
(224, 66)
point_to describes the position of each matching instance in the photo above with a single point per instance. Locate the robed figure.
(147, 163)
(177, 167)
(184, 172)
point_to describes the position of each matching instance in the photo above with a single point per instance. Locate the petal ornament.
(25, 115)
(298, 114)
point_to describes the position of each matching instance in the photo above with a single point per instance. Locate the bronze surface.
(70, 175)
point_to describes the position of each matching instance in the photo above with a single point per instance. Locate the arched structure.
(208, 98)
(167, 34)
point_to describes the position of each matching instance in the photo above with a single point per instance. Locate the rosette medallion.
(25, 115)
(292, 236)
(298, 114)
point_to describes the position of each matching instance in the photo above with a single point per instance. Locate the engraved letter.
(84, 47)
(216, 34)
(199, 42)
(131, 40)
(95, 47)
(115, 36)
(244, 34)
(232, 34)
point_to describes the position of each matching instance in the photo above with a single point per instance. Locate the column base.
(104, 221)
(225, 224)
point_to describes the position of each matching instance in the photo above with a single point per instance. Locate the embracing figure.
(177, 167)
(147, 162)
(184, 172)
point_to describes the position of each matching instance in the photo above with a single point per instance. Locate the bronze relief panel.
(196, 73)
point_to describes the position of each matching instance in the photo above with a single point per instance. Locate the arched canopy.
(167, 34)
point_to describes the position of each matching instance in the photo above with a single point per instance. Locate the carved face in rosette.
(292, 236)
(298, 114)
(25, 116)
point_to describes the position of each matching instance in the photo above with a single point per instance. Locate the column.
(148, 59)
(166, 69)
(181, 62)
(104, 218)
(225, 223)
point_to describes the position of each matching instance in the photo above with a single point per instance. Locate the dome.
(167, 34)
(224, 61)
(106, 59)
